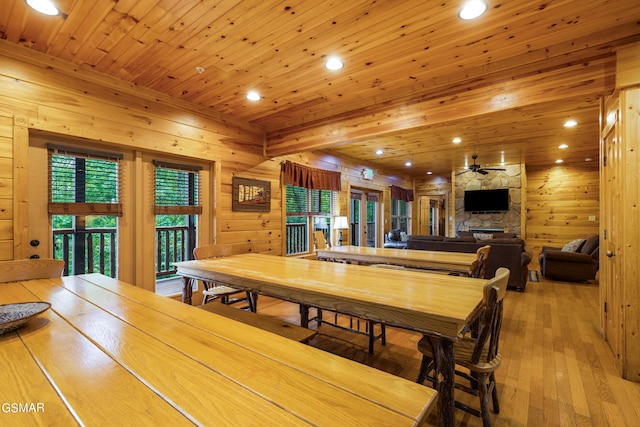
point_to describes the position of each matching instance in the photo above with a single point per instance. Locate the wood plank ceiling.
(415, 75)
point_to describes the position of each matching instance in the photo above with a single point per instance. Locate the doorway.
(365, 217)
(433, 215)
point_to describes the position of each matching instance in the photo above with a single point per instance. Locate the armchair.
(573, 266)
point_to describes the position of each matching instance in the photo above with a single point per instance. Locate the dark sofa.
(509, 252)
(573, 266)
(393, 239)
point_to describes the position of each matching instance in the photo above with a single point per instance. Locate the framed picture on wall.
(251, 195)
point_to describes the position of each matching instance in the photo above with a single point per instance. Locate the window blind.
(177, 189)
(84, 182)
(301, 201)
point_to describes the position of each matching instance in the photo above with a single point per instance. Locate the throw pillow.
(483, 236)
(573, 246)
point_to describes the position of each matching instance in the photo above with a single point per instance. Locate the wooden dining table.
(109, 353)
(412, 258)
(437, 305)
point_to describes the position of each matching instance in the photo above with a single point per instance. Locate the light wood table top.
(437, 260)
(420, 301)
(435, 304)
(110, 353)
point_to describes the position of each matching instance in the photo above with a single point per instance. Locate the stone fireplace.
(508, 221)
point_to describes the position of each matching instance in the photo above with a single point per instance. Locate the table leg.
(304, 316)
(187, 290)
(445, 372)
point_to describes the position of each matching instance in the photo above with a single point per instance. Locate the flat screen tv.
(486, 200)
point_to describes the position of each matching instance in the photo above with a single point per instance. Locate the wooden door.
(425, 216)
(611, 289)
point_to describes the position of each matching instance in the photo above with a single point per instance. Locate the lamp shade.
(340, 223)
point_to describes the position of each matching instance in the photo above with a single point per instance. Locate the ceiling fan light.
(46, 7)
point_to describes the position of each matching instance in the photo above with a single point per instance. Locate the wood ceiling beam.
(592, 77)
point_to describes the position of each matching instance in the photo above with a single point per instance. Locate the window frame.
(312, 215)
(397, 218)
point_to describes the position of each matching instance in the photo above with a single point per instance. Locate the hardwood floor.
(556, 368)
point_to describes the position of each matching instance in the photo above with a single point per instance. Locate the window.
(177, 205)
(307, 211)
(84, 203)
(400, 215)
(401, 199)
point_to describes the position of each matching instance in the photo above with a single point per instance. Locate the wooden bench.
(264, 322)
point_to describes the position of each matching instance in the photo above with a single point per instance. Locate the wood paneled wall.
(41, 95)
(6, 188)
(562, 204)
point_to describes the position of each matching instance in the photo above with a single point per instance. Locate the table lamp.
(340, 223)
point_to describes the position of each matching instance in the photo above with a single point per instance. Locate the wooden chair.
(213, 291)
(28, 269)
(479, 355)
(319, 241)
(478, 266)
(344, 322)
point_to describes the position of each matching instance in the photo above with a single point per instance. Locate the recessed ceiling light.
(334, 63)
(44, 6)
(253, 95)
(563, 146)
(408, 164)
(559, 161)
(200, 69)
(570, 123)
(379, 152)
(589, 159)
(429, 173)
(472, 9)
(456, 140)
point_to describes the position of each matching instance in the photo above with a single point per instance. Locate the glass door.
(364, 218)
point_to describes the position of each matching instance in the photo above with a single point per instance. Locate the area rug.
(533, 276)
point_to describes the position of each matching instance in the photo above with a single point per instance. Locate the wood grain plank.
(146, 357)
(221, 356)
(406, 398)
(85, 379)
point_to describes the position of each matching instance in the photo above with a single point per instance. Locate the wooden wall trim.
(630, 232)
(628, 66)
(20, 188)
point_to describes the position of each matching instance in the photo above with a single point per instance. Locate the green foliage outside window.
(308, 210)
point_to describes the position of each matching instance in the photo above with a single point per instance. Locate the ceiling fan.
(477, 168)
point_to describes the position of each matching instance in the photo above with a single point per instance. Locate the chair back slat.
(478, 265)
(491, 318)
(212, 251)
(319, 240)
(28, 269)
